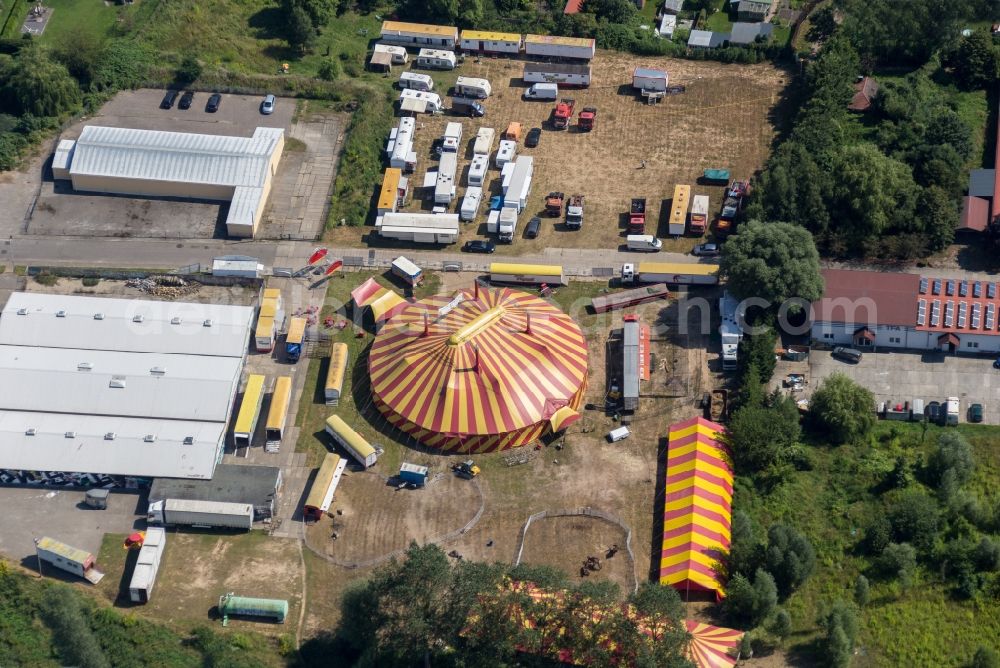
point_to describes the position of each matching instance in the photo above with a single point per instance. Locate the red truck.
(563, 113)
(587, 119)
(731, 205)
(554, 204)
(637, 216)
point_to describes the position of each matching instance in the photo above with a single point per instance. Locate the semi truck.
(563, 113)
(699, 215)
(637, 216)
(212, 514)
(587, 119)
(574, 212)
(554, 204)
(293, 340)
(674, 273)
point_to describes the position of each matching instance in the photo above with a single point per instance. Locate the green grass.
(71, 17)
(718, 22)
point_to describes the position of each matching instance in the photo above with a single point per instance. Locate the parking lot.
(31, 513)
(297, 205)
(904, 376)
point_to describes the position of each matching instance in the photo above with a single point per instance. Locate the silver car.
(267, 106)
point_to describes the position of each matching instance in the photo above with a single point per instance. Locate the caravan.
(416, 81)
(473, 87)
(436, 59)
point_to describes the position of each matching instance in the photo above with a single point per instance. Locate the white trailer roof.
(129, 325)
(438, 222)
(89, 451)
(217, 507)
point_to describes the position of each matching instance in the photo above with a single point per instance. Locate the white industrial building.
(116, 391)
(126, 161)
(877, 310)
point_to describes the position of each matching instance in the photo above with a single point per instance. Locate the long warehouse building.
(114, 392)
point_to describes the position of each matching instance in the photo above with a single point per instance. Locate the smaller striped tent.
(712, 646)
(697, 508)
(384, 302)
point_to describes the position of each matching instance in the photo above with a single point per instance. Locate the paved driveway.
(904, 376)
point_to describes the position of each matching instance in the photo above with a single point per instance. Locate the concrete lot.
(296, 208)
(30, 513)
(904, 376)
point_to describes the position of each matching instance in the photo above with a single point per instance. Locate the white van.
(542, 91)
(473, 87)
(416, 81)
(619, 434)
(643, 243)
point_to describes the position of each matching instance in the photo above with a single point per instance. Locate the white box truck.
(478, 168)
(436, 59)
(507, 225)
(542, 91)
(645, 243)
(492, 221)
(416, 81)
(212, 514)
(951, 411)
(473, 87)
(470, 203)
(484, 141)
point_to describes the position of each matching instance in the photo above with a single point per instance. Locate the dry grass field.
(724, 119)
(578, 538)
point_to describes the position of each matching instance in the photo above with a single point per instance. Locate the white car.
(267, 106)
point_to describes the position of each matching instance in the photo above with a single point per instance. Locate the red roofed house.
(871, 309)
(975, 214)
(864, 94)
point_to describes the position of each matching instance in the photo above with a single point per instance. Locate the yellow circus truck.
(508, 272)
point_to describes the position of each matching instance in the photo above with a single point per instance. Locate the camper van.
(643, 243)
(473, 87)
(416, 81)
(542, 91)
(436, 59)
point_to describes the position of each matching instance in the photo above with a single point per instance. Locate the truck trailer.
(67, 558)
(564, 75)
(528, 274)
(516, 195)
(211, 514)
(422, 228)
(627, 298)
(672, 273)
(698, 221)
(147, 565)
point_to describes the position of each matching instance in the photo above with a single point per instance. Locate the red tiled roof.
(573, 6)
(975, 214)
(865, 333)
(948, 337)
(875, 297)
(866, 89)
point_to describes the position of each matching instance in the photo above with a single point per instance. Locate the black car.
(169, 99)
(533, 137)
(186, 99)
(933, 412)
(213, 103)
(706, 250)
(534, 225)
(479, 246)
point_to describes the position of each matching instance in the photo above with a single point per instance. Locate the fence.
(581, 512)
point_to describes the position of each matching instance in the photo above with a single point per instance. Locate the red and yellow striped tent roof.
(479, 370)
(712, 646)
(384, 302)
(697, 508)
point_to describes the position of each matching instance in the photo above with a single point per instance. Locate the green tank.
(230, 604)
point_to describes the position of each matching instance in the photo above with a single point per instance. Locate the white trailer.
(188, 512)
(478, 168)
(444, 189)
(423, 228)
(674, 273)
(397, 53)
(490, 42)
(452, 138)
(507, 224)
(422, 102)
(67, 558)
(506, 174)
(470, 203)
(649, 80)
(402, 155)
(473, 87)
(484, 141)
(517, 193)
(492, 221)
(567, 75)
(553, 46)
(416, 81)
(436, 59)
(147, 565)
(506, 153)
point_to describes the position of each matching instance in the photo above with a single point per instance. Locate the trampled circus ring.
(479, 370)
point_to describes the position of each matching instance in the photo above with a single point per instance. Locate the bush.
(915, 518)
(841, 626)
(790, 557)
(11, 145)
(985, 657)
(329, 70)
(90, 281)
(45, 278)
(862, 592)
(189, 70)
(842, 410)
(899, 560)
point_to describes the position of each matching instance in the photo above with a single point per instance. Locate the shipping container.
(425, 228)
(508, 272)
(277, 414)
(484, 141)
(483, 41)
(436, 59)
(565, 75)
(470, 203)
(147, 565)
(363, 452)
(678, 210)
(406, 270)
(294, 339)
(553, 46)
(324, 487)
(67, 558)
(231, 605)
(473, 87)
(627, 298)
(419, 34)
(335, 372)
(194, 513)
(249, 414)
(416, 81)
(478, 169)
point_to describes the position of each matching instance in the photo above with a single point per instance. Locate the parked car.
(849, 355)
(534, 225)
(168, 99)
(933, 412)
(534, 136)
(706, 250)
(267, 106)
(996, 363)
(213, 103)
(479, 246)
(186, 99)
(976, 413)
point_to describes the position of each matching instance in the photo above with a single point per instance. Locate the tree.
(939, 216)
(985, 657)
(612, 11)
(915, 518)
(976, 61)
(765, 595)
(773, 261)
(899, 560)
(329, 70)
(841, 627)
(842, 410)
(790, 557)
(470, 12)
(741, 600)
(953, 452)
(781, 624)
(862, 592)
(39, 86)
(878, 534)
(761, 437)
(300, 31)
(79, 51)
(746, 551)
(64, 614)
(757, 352)
(320, 12)
(189, 70)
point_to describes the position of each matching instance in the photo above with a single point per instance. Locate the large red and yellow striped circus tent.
(697, 508)
(479, 370)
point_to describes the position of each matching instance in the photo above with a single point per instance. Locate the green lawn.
(70, 17)
(719, 22)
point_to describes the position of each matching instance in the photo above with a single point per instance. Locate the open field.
(578, 538)
(725, 119)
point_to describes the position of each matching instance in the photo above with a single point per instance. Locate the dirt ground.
(724, 119)
(193, 292)
(578, 538)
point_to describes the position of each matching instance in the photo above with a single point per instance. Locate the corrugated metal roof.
(97, 382)
(981, 182)
(975, 214)
(128, 325)
(233, 483)
(88, 451)
(556, 39)
(181, 157)
(649, 73)
(747, 33)
(446, 222)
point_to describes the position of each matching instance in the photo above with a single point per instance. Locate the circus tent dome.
(479, 370)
